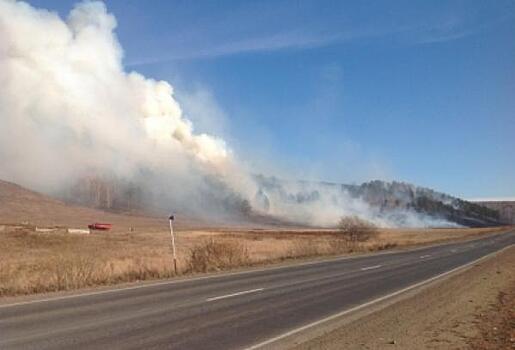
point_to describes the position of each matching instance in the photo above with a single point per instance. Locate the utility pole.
(170, 219)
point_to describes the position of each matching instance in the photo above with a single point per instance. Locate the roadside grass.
(34, 262)
(212, 255)
(47, 262)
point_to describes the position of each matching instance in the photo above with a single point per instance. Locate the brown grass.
(34, 262)
(212, 255)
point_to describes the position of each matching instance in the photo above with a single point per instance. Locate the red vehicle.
(99, 226)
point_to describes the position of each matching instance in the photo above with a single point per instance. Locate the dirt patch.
(497, 324)
(459, 312)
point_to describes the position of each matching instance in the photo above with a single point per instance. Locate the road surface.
(230, 311)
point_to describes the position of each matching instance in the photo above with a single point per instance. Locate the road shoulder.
(451, 313)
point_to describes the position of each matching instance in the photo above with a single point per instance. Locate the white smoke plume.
(68, 108)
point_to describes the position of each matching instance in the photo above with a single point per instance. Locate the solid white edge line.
(235, 294)
(371, 267)
(361, 306)
(272, 268)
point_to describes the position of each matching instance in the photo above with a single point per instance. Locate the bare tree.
(355, 229)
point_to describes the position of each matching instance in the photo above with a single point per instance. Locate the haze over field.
(69, 110)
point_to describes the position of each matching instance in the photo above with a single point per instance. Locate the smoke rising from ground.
(68, 109)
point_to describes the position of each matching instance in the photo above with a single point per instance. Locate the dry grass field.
(35, 262)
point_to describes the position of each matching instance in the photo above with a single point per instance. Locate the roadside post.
(171, 219)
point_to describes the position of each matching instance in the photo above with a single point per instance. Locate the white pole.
(170, 219)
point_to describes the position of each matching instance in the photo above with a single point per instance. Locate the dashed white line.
(371, 302)
(425, 256)
(371, 267)
(235, 294)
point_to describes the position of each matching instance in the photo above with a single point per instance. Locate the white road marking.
(235, 294)
(425, 256)
(453, 250)
(371, 267)
(375, 301)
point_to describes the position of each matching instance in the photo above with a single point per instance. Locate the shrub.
(213, 255)
(354, 229)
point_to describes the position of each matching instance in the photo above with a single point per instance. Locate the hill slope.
(394, 201)
(390, 199)
(393, 195)
(20, 205)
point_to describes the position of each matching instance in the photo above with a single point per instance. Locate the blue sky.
(418, 91)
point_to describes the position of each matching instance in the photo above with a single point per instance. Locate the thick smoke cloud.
(68, 109)
(67, 106)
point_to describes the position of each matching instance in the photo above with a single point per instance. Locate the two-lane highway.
(230, 311)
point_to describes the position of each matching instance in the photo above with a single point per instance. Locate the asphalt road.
(231, 311)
